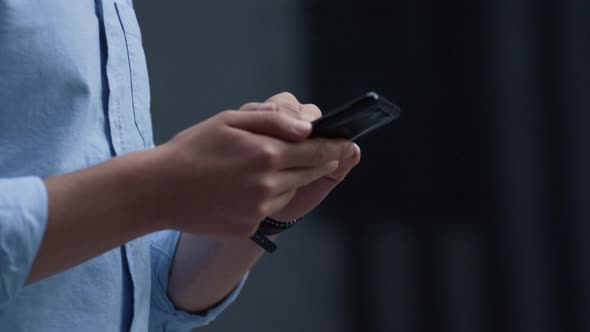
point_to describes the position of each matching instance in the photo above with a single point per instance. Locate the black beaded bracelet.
(269, 226)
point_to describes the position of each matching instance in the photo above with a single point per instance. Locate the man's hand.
(219, 177)
(311, 195)
(252, 169)
(227, 173)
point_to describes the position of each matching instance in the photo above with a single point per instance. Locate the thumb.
(274, 124)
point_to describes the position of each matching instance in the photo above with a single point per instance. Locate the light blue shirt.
(74, 92)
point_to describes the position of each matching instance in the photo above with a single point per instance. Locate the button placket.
(126, 134)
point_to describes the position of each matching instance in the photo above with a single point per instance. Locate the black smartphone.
(356, 118)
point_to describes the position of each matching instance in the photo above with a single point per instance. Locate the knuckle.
(275, 116)
(288, 101)
(319, 153)
(282, 119)
(273, 106)
(249, 106)
(264, 187)
(226, 116)
(267, 156)
(270, 118)
(287, 95)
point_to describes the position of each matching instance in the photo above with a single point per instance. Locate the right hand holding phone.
(311, 195)
(225, 174)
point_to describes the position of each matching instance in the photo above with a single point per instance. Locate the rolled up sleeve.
(23, 217)
(164, 316)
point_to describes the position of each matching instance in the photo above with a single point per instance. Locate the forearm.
(90, 212)
(205, 269)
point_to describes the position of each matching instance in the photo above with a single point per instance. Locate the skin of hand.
(207, 267)
(217, 178)
(257, 162)
(309, 196)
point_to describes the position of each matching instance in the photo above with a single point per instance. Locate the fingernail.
(351, 149)
(333, 165)
(302, 127)
(356, 148)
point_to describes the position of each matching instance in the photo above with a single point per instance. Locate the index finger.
(316, 152)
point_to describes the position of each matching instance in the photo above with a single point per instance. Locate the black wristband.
(269, 226)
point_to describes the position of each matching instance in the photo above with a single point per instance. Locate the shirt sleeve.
(164, 316)
(23, 217)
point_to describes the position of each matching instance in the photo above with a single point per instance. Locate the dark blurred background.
(469, 213)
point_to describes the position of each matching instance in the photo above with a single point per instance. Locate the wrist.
(142, 179)
(128, 182)
(90, 211)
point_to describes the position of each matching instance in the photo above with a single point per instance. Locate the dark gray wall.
(469, 214)
(208, 56)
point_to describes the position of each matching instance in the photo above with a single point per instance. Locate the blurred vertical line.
(495, 278)
(429, 37)
(428, 284)
(463, 276)
(523, 188)
(574, 46)
(393, 278)
(551, 18)
(360, 249)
